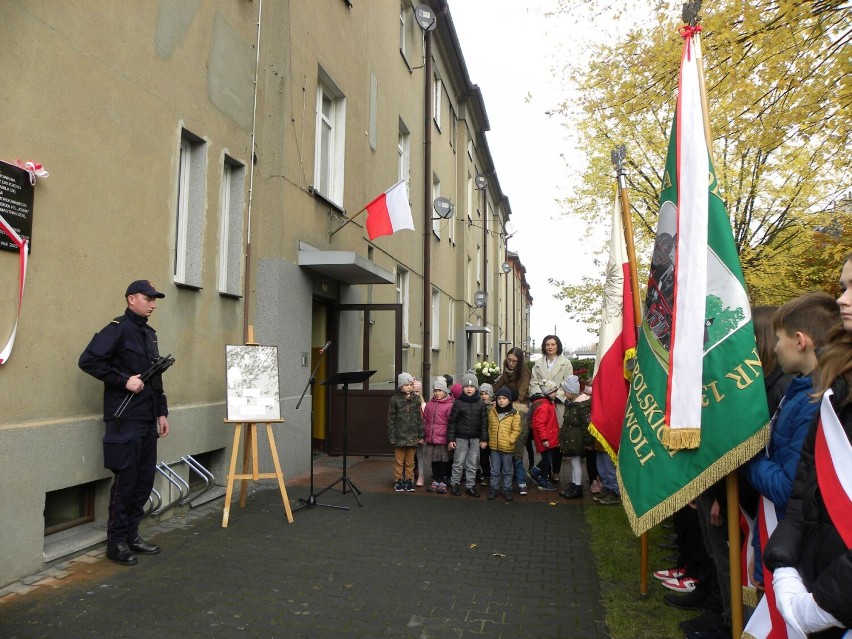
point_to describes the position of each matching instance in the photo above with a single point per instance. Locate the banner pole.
(618, 156)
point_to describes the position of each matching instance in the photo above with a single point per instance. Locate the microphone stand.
(312, 498)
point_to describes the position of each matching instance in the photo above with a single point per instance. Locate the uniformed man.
(117, 355)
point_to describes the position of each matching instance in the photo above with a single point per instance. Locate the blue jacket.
(772, 474)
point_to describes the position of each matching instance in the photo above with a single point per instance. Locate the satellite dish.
(506, 267)
(481, 181)
(509, 228)
(443, 207)
(479, 299)
(425, 17)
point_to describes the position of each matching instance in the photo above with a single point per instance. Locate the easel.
(250, 446)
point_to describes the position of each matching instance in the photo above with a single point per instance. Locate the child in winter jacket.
(468, 432)
(574, 433)
(545, 432)
(504, 427)
(436, 419)
(405, 431)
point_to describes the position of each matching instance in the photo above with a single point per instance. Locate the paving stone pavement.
(405, 565)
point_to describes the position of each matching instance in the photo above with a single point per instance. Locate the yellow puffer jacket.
(503, 433)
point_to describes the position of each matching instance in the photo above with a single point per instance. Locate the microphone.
(325, 348)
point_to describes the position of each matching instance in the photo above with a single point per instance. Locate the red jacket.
(436, 416)
(543, 424)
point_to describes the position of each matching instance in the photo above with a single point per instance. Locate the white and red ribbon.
(834, 475)
(35, 170)
(23, 249)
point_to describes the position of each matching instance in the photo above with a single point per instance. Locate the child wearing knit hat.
(574, 434)
(436, 418)
(504, 427)
(467, 434)
(405, 431)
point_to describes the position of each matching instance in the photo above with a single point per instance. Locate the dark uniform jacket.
(125, 347)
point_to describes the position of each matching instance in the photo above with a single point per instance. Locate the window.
(470, 149)
(437, 99)
(329, 148)
(436, 320)
(402, 298)
(69, 507)
(478, 264)
(231, 227)
(470, 200)
(436, 193)
(454, 126)
(451, 321)
(189, 218)
(403, 156)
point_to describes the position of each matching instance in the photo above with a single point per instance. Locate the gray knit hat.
(441, 384)
(403, 379)
(571, 384)
(487, 388)
(469, 379)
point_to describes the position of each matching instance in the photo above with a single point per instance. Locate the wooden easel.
(250, 448)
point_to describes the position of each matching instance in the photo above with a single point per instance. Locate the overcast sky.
(511, 49)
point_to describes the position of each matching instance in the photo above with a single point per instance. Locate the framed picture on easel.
(252, 378)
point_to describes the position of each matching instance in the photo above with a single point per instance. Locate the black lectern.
(344, 379)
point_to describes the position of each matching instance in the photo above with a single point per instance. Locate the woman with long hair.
(516, 377)
(809, 552)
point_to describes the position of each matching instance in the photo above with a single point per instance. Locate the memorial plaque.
(252, 377)
(16, 204)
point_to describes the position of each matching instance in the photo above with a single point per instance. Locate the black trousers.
(131, 486)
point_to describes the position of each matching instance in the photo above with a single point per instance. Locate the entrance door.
(366, 337)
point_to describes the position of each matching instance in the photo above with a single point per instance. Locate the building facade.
(224, 150)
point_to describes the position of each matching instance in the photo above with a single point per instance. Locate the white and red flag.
(616, 343)
(389, 212)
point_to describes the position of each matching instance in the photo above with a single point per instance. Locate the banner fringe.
(613, 455)
(681, 438)
(732, 460)
(750, 596)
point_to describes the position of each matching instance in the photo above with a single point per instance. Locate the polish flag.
(389, 212)
(616, 343)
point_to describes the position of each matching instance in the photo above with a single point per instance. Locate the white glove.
(797, 605)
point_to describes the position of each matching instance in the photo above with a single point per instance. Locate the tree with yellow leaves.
(779, 86)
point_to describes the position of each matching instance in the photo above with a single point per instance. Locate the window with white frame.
(454, 127)
(436, 319)
(437, 100)
(403, 156)
(189, 218)
(231, 226)
(470, 196)
(403, 17)
(436, 193)
(451, 321)
(330, 140)
(478, 264)
(402, 298)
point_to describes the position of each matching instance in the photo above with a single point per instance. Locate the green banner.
(655, 480)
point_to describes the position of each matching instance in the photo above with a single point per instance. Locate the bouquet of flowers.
(486, 372)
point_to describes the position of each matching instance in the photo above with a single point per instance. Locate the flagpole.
(330, 235)
(617, 156)
(690, 17)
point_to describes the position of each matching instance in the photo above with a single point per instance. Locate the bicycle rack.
(175, 480)
(150, 505)
(206, 475)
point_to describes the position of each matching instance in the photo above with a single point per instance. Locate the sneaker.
(399, 486)
(507, 494)
(546, 485)
(522, 489)
(409, 486)
(573, 492)
(442, 488)
(684, 584)
(455, 489)
(472, 491)
(670, 573)
(535, 474)
(595, 487)
(492, 494)
(433, 487)
(608, 499)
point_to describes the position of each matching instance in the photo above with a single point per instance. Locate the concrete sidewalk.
(413, 565)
